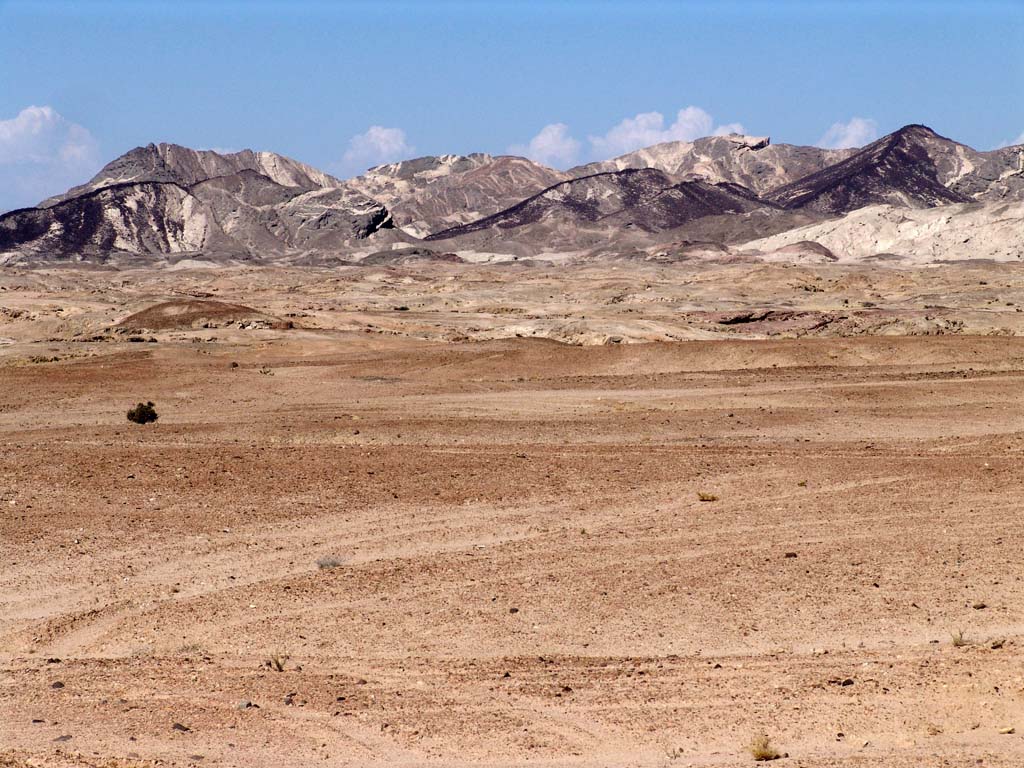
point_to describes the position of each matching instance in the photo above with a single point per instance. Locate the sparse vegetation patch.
(329, 561)
(761, 749)
(143, 413)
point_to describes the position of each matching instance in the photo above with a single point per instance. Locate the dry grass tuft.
(276, 662)
(761, 749)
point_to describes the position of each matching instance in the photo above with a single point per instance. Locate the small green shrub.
(143, 413)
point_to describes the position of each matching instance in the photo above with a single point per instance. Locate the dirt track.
(527, 574)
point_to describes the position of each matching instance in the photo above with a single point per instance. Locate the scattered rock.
(181, 728)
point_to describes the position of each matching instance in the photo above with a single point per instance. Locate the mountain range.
(163, 201)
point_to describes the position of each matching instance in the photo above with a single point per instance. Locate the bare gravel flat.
(494, 551)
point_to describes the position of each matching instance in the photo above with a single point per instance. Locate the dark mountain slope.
(577, 201)
(899, 169)
(685, 202)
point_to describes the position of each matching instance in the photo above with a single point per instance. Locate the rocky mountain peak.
(428, 194)
(168, 199)
(739, 141)
(175, 164)
(751, 161)
(912, 167)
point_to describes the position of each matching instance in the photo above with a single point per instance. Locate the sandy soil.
(494, 551)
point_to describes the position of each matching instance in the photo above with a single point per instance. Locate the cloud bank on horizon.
(554, 144)
(42, 153)
(378, 145)
(857, 132)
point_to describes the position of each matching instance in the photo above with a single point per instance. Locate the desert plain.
(494, 515)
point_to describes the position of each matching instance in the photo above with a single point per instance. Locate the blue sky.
(346, 85)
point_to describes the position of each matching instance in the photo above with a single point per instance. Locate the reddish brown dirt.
(527, 574)
(190, 313)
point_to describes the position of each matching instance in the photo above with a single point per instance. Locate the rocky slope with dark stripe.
(430, 194)
(163, 200)
(629, 208)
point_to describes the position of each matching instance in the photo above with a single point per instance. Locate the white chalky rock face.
(915, 236)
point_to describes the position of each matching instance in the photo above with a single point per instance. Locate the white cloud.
(649, 128)
(855, 133)
(42, 153)
(553, 146)
(377, 146)
(1012, 142)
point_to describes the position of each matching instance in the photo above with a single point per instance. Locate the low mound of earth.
(402, 256)
(185, 314)
(800, 252)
